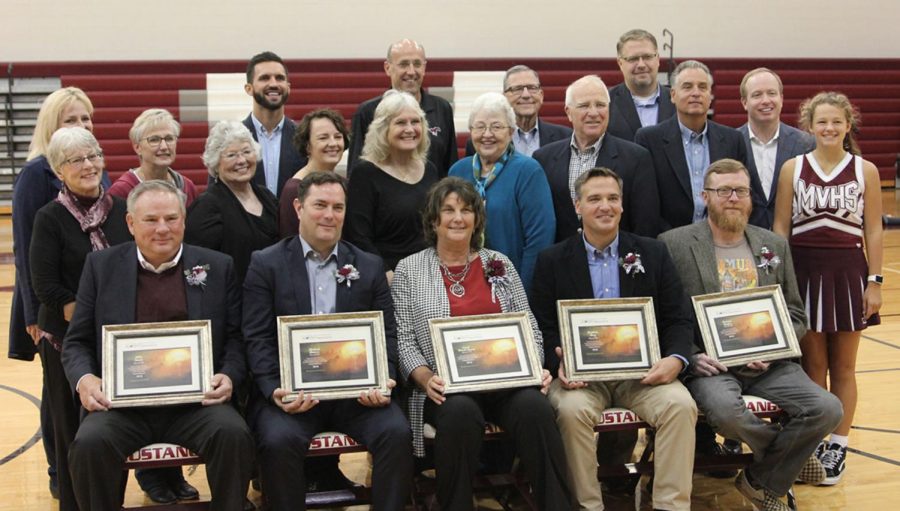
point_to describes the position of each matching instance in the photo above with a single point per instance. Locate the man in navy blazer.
(155, 279)
(269, 85)
(769, 141)
(639, 100)
(679, 178)
(595, 147)
(522, 88)
(298, 275)
(603, 262)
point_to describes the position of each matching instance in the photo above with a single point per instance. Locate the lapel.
(194, 295)
(559, 168)
(666, 108)
(343, 302)
(608, 153)
(675, 153)
(125, 274)
(763, 278)
(295, 264)
(717, 144)
(704, 253)
(787, 148)
(575, 264)
(627, 110)
(287, 147)
(626, 281)
(260, 176)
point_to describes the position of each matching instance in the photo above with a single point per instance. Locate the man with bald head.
(640, 100)
(522, 88)
(587, 107)
(405, 66)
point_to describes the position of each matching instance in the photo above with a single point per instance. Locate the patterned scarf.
(482, 183)
(90, 220)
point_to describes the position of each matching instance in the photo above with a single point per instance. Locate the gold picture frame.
(333, 356)
(157, 364)
(739, 327)
(607, 339)
(485, 352)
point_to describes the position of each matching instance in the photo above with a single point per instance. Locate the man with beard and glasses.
(724, 253)
(269, 85)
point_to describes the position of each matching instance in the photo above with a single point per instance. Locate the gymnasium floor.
(872, 479)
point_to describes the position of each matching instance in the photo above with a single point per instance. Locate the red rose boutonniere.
(495, 271)
(346, 273)
(196, 276)
(631, 263)
(768, 260)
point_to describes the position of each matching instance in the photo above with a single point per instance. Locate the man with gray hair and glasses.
(522, 88)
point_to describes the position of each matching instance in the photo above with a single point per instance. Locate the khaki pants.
(668, 408)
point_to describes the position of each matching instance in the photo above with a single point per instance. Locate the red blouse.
(477, 299)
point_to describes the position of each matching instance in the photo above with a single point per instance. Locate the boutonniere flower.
(631, 263)
(768, 260)
(495, 272)
(196, 276)
(346, 273)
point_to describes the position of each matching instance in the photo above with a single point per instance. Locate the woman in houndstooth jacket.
(450, 279)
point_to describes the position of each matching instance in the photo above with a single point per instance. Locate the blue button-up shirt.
(322, 280)
(527, 142)
(696, 152)
(270, 144)
(647, 108)
(604, 267)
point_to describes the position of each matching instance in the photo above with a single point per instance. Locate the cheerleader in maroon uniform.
(829, 207)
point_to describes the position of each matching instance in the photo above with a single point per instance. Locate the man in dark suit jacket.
(284, 430)
(157, 279)
(522, 88)
(405, 65)
(605, 263)
(639, 100)
(762, 95)
(722, 254)
(630, 161)
(678, 179)
(269, 85)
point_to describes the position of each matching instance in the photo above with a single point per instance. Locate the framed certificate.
(333, 356)
(612, 339)
(156, 364)
(486, 352)
(739, 327)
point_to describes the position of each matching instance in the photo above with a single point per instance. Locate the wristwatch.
(878, 279)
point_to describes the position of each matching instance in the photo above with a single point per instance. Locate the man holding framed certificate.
(724, 253)
(317, 273)
(604, 262)
(157, 279)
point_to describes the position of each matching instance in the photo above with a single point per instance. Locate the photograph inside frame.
(607, 339)
(333, 356)
(739, 327)
(486, 352)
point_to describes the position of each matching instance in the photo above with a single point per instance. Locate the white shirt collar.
(164, 266)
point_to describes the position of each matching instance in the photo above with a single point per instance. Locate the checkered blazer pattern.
(419, 295)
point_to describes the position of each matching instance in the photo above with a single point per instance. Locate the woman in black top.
(389, 184)
(235, 215)
(83, 218)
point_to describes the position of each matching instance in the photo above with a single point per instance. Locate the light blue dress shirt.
(322, 280)
(647, 108)
(696, 152)
(270, 145)
(604, 267)
(527, 142)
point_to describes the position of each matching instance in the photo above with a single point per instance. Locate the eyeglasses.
(246, 153)
(79, 160)
(493, 128)
(726, 191)
(519, 89)
(156, 140)
(647, 57)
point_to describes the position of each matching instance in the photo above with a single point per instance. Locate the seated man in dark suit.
(144, 282)
(405, 66)
(587, 106)
(639, 100)
(298, 276)
(522, 88)
(270, 86)
(683, 147)
(770, 142)
(590, 265)
(723, 253)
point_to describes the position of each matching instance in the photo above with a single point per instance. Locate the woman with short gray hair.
(514, 187)
(154, 137)
(234, 215)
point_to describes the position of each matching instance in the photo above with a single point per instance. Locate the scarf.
(91, 219)
(482, 183)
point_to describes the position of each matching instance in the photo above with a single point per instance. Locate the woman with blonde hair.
(35, 186)
(829, 207)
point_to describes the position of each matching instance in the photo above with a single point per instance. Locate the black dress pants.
(63, 409)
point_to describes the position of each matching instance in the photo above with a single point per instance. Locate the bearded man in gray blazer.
(724, 253)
